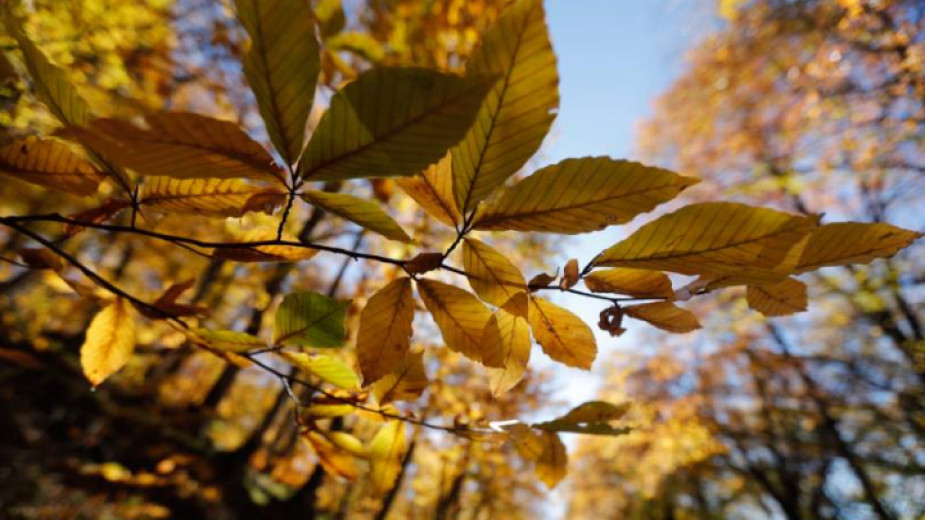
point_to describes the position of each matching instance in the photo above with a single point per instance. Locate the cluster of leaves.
(453, 141)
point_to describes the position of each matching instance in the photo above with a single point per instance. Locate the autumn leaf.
(109, 342)
(517, 113)
(581, 195)
(311, 319)
(282, 66)
(664, 315)
(552, 465)
(386, 450)
(433, 190)
(384, 336)
(492, 276)
(209, 197)
(591, 418)
(459, 315)
(333, 459)
(326, 368)
(570, 275)
(355, 138)
(846, 243)
(266, 252)
(50, 164)
(182, 145)
(780, 299)
(563, 336)
(405, 383)
(226, 340)
(640, 283)
(362, 212)
(711, 238)
(506, 343)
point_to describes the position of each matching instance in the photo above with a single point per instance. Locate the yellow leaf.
(49, 164)
(711, 238)
(406, 383)
(282, 67)
(640, 283)
(492, 276)
(517, 113)
(433, 190)
(264, 253)
(109, 343)
(359, 211)
(384, 337)
(591, 418)
(386, 450)
(846, 243)
(460, 316)
(428, 113)
(553, 462)
(325, 368)
(581, 195)
(570, 275)
(528, 442)
(226, 340)
(333, 459)
(209, 197)
(182, 145)
(506, 342)
(664, 315)
(50, 81)
(780, 299)
(563, 336)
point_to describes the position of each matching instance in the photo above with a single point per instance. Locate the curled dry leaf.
(570, 276)
(424, 263)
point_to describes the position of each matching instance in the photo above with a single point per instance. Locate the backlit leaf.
(846, 243)
(227, 340)
(325, 368)
(384, 336)
(109, 342)
(386, 450)
(517, 113)
(428, 113)
(492, 276)
(267, 252)
(359, 211)
(209, 197)
(460, 316)
(563, 336)
(49, 164)
(640, 283)
(182, 145)
(581, 195)
(433, 190)
(711, 238)
(506, 343)
(552, 465)
(282, 67)
(406, 383)
(591, 418)
(311, 319)
(664, 315)
(333, 459)
(780, 299)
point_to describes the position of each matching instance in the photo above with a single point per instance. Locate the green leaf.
(582, 195)
(711, 238)
(517, 113)
(361, 212)
(311, 319)
(282, 67)
(326, 368)
(427, 113)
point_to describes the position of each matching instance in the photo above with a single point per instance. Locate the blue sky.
(615, 57)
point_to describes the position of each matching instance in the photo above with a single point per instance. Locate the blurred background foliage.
(807, 105)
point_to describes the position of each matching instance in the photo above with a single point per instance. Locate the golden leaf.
(386, 450)
(780, 299)
(460, 316)
(433, 190)
(563, 336)
(109, 343)
(50, 164)
(326, 368)
(333, 459)
(552, 465)
(384, 336)
(517, 113)
(506, 343)
(362, 212)
(209, 197)
(664, 315)
(581, 195)
(492, 276)
(406, 383)
(640, 283)
(846, 243)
